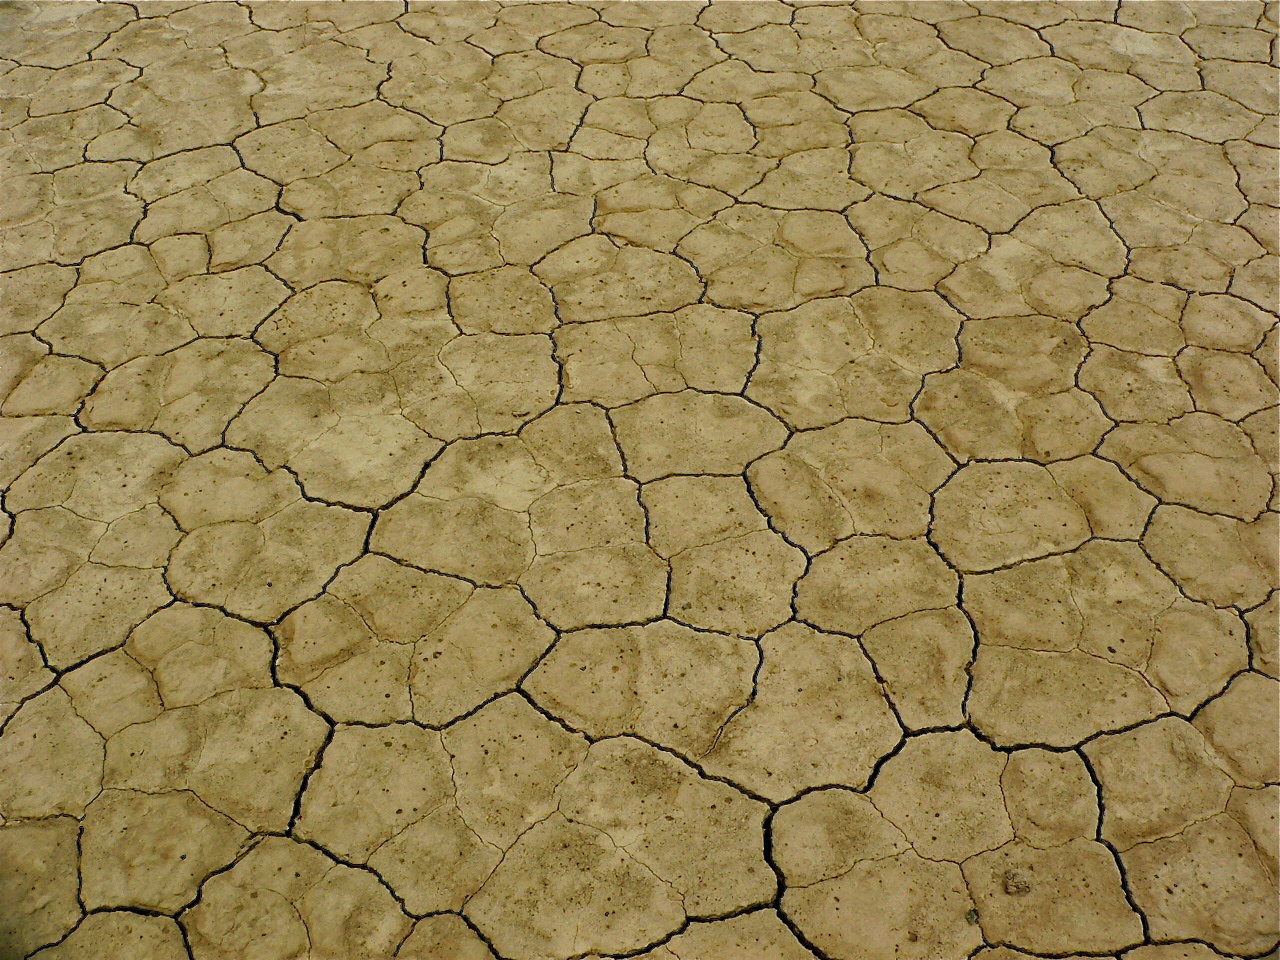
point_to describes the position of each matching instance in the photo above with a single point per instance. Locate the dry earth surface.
(747, 481)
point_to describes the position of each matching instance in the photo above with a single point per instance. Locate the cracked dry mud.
(746, 481)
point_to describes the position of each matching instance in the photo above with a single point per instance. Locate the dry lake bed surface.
(746, 481)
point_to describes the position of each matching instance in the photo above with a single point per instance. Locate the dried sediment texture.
(687, 481)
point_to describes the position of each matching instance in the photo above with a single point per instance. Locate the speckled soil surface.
(747, 481)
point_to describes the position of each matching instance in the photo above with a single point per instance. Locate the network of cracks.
(731, 481)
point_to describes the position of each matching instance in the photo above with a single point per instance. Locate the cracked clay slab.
(773, 480)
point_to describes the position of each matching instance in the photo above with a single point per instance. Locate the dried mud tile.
(1074, 891)
(1156, 780)
(39, 881)
(866, 580)
(152, 851)
(663, 681)
(991, 514)
(306, 902)
(1050, 797)
(52, 758)
(818, 717)
(120, 932)
(1207, 883)
(1024, 697)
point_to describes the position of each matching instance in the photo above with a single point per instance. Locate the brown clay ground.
(753, 481)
